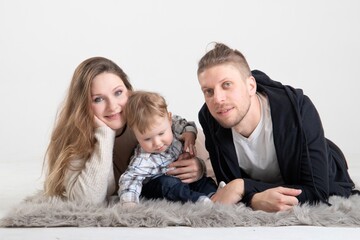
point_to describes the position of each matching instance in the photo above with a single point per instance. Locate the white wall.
(314, 45)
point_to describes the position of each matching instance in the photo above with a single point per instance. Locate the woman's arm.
(95, 181)
(181, 125)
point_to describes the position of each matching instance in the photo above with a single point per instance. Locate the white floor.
(22, 178)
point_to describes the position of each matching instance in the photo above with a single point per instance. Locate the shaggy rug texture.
(37, 211)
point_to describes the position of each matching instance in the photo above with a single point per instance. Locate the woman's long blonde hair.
(73, 134)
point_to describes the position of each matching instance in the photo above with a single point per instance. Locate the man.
(265, 139)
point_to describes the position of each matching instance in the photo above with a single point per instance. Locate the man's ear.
(251, 85)
(170, 116)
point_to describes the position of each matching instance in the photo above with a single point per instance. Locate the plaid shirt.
(145, 166)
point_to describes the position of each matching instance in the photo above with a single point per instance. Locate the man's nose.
(219, 96)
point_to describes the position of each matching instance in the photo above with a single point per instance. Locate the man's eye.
(162, 133)
(208, 93)
(226, 84)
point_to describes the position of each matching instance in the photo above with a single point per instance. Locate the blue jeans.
(173, 189)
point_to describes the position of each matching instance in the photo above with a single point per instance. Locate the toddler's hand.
(189, 142)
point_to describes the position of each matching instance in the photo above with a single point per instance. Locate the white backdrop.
(313, 45)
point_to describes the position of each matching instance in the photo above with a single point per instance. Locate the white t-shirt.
(256, 154)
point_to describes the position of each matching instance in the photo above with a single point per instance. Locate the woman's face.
(109, 96)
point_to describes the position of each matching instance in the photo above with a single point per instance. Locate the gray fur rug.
(37, 211)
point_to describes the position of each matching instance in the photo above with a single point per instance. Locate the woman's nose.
(113, 105)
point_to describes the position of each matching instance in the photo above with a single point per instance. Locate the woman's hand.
(231, 193)
(98, 122)
(189, 142)
(275, 199)
(188, 169)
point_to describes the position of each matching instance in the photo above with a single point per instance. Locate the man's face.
(226, 93)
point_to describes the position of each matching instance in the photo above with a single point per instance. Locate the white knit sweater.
(96, 181)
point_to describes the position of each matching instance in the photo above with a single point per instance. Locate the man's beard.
(236, 121)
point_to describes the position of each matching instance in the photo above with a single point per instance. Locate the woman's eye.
(162, 133)
(118, 93)
(98, 99)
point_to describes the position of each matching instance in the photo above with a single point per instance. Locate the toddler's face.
(158, 138)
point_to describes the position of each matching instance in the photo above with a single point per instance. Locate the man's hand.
(275, 199)
(188, 169)
(231, 193)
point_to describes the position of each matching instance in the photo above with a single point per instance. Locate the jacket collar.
(228, 153)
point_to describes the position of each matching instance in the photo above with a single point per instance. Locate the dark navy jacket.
(307, 160)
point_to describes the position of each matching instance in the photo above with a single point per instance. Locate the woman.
(90, 145)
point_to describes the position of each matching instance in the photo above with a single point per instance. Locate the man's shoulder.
(275, 88)
(264, 80)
